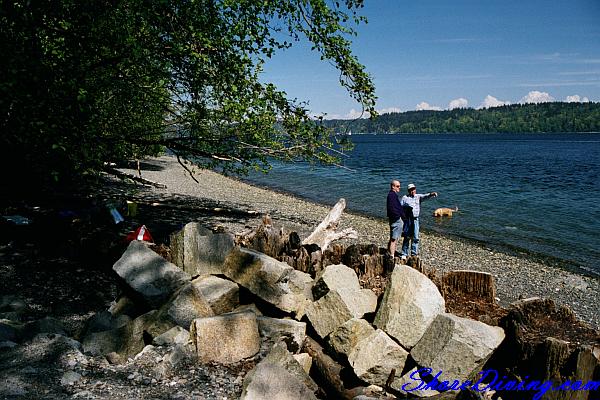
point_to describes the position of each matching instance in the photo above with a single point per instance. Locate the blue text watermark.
(490, 380)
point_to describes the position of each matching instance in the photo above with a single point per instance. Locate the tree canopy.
(90, 82)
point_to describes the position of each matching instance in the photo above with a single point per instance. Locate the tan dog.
(444, 212)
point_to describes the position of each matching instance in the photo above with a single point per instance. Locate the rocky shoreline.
(517, 275)
(69, 289)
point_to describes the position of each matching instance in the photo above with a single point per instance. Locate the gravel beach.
(518, 275)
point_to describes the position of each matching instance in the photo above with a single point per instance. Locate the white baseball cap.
(411, 186)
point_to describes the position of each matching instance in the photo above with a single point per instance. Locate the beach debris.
(18, 220)
(115, 215)
(326, 232)
(142, 234)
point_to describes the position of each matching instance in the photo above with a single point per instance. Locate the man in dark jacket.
(396, 216)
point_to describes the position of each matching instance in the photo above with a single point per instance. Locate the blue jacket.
(394, 209)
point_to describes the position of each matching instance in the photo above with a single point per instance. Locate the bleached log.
(326, 232)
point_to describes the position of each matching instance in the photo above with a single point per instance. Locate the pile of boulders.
(195, 302)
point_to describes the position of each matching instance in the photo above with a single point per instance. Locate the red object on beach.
(142, 233)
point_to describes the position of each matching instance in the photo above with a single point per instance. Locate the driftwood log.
(326, 232)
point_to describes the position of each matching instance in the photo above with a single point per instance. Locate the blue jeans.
(414, 249)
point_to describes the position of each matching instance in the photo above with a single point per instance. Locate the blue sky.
(442, 54)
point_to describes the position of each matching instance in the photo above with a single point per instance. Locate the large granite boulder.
(127, 340)
(149, 274)
(410, 303)
(199, 251)
(344, 280)
(345, 338)
(221, 294)
(273, 281)
(375, 356)
(457, 346)
(328, 313)
(269, 381)
(226, 338)
(186, 304)
(281, 356)
(288, 331)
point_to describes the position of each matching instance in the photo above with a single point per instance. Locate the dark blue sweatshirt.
(394, 209)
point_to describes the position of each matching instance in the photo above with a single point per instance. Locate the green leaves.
(92, 82)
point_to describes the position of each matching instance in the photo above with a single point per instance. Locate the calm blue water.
(538, 192)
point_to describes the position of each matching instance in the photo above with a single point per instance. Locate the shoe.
(403, 258)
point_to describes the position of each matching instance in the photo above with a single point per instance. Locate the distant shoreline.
(518, 275)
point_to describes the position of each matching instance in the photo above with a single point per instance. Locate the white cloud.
(425, 106)
(576, 99)
(536, 97)
(490, 101)
(389, 110)
(458, 103)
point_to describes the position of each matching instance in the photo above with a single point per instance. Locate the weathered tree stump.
(529, 351)
(480, 284)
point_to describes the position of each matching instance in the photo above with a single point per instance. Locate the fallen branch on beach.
(326, 232)
(139, 179)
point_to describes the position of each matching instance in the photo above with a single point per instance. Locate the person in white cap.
(412, 206)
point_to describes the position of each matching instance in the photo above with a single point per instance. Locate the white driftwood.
(326, 232)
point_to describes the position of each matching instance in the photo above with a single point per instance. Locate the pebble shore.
(518, 275)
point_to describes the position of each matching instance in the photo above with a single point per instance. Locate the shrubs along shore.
(517, 275)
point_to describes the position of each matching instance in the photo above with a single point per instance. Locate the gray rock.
(345, 337)
(280, 356)
(273, 281)
(410, 303)
(458, 346)
(268, 381)
(105, 321)
(199, 251)
(13, 386)
(10, 330)
(328, 313)
(344, 280)
(178, 354)
(69, 378)
(12, 303)
(106, 342)
(7, 344)
(305, 360)
(226, 338)
(335, 277)
(128, 340)
(44, 325)
(175, 335)
(149, 274)
(186, 304)
(289, 331)
(221, 294)
(374, 357)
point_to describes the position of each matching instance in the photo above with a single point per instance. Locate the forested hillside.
(545, 117)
